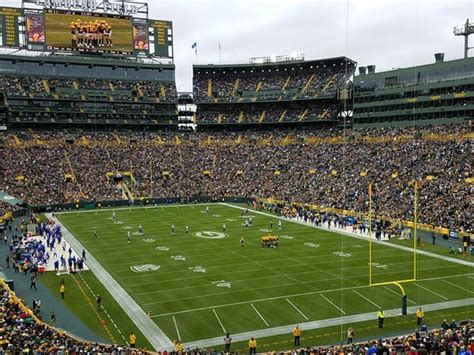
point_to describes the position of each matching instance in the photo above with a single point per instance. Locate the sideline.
(137, 315)
(353, 235)
(105, 209)
(286, 329)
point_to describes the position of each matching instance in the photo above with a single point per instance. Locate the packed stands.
(63, 91)
(23, 332)
(271, 92)
(321, 167)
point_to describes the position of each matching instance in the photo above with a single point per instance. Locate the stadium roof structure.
(285, 64)
(439, 65)
(86, 60)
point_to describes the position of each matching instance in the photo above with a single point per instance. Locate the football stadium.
(285, 204)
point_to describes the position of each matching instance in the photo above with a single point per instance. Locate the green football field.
(204, 284)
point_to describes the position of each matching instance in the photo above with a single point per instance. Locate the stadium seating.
(21, 331)
(268, 113)
(57, 100)
(268, 83)
(328, 168)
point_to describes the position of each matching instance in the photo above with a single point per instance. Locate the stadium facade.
(430, 94)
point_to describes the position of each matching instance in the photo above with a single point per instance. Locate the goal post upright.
(397, 283)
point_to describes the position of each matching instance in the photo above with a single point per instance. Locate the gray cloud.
(387, 33)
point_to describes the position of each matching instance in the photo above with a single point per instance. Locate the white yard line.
(219, 320)
(286, 329)
(105, 209)
(177, 330)
(396, 294)
(284, 296)
(365, 298)
(327, 299)
(357, 236)
(137, 315)
(461, 288)
(261, 317)
(433, 292)
(297, 309)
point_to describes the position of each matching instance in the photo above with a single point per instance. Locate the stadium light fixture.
(465, 30)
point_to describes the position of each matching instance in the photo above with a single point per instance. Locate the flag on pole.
(220, 46)
(370, 189)
(194, 45)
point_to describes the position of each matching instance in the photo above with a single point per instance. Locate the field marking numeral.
(197, 269)
(312, 245)
(287, 237)
(178, 258)
(221, 283)
(148, 240)
(163, 248)
(342, 255)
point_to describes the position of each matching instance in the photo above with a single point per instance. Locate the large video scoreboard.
(109, 27)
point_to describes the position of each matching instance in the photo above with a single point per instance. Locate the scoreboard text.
(9, 26)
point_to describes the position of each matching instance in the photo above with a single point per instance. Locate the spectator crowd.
(22, 332)
(269, 83)
(331, 169)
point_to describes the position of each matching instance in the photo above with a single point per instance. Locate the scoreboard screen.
(163, 36)
(9, 26)
(141, 37)
(88, 32)
(86, 27)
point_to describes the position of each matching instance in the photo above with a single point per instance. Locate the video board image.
(35, 28)
(141, 37)
(93, 33)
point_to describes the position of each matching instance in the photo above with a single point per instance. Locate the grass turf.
(80, 297)
(312, 275)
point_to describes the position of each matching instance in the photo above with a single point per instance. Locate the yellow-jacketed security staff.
(419, 316)
(252, 346)
(297, 335)
(381, 317)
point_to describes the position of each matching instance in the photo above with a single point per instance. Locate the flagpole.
(220, 56)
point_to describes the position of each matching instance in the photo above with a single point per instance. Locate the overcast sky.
(386, 33)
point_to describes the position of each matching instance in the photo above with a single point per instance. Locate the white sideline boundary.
(149, 329)
(357, 236)
(286, 329)
(105, 209)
